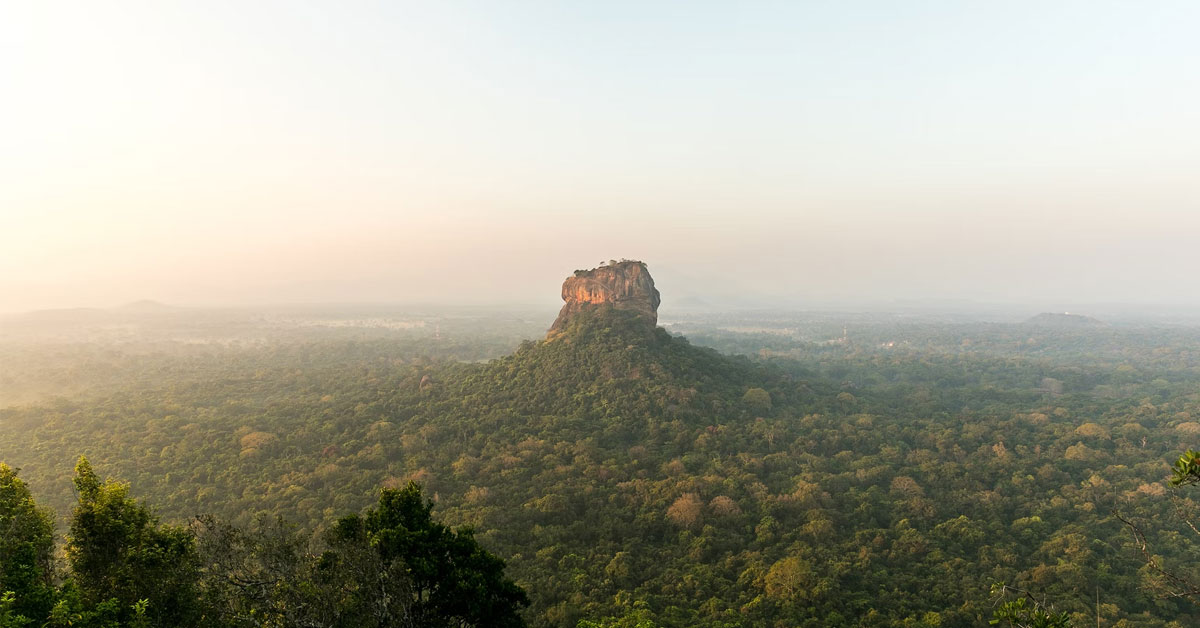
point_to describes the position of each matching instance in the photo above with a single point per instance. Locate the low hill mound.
(1064, 320)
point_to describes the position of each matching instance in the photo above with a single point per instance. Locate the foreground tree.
(452, 580)
(394, 567)
(1186, 470)
(1019, 609)
(266, 575)
(26, 553)
(124, 563)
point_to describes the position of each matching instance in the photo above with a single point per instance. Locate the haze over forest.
(782, 154)
(869, 315)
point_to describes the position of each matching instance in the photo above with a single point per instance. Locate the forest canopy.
(627, 476)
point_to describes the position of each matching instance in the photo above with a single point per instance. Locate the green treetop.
(121, 557)
(26, 552)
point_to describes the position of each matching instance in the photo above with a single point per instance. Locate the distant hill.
(608, 363)
(145, 306)
(93, 314)
(1065, 320)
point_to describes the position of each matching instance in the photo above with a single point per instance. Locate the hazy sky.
(477, 152)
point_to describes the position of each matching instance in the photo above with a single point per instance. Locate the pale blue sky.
(807, 152)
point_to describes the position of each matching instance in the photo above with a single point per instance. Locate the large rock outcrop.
(624, 285)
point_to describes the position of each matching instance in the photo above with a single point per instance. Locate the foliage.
(266, 575)
(71, 610)
(638, 617)
(119, 553)
(935, 465)
(1187, 469)
(453, 581)
(758, 399)
(26, 553)
(1024, 611)
(394, 567)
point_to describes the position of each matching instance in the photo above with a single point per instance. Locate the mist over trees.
(891, 476)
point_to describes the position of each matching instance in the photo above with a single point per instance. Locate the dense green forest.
(629, 477)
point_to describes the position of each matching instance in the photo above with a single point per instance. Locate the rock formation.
(625, 285)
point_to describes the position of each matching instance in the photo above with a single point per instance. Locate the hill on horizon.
(1064, 320)
(145, 305)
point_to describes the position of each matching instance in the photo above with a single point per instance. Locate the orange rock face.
(626, 285)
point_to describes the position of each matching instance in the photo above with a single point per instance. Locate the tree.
(686, 510)
(757, 399)
(252, 577)
(1171, 583)
(1025, 611)
(394, 567)
(639, 617)
(266, 576)
(122, 558)
(454, 581)
(1186, 470)
(26, 553)
(792, 579)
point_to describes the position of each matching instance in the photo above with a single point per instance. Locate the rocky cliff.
(624, 285)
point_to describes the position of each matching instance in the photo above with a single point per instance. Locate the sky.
(790, 153)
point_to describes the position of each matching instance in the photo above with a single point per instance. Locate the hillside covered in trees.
(626, 475)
